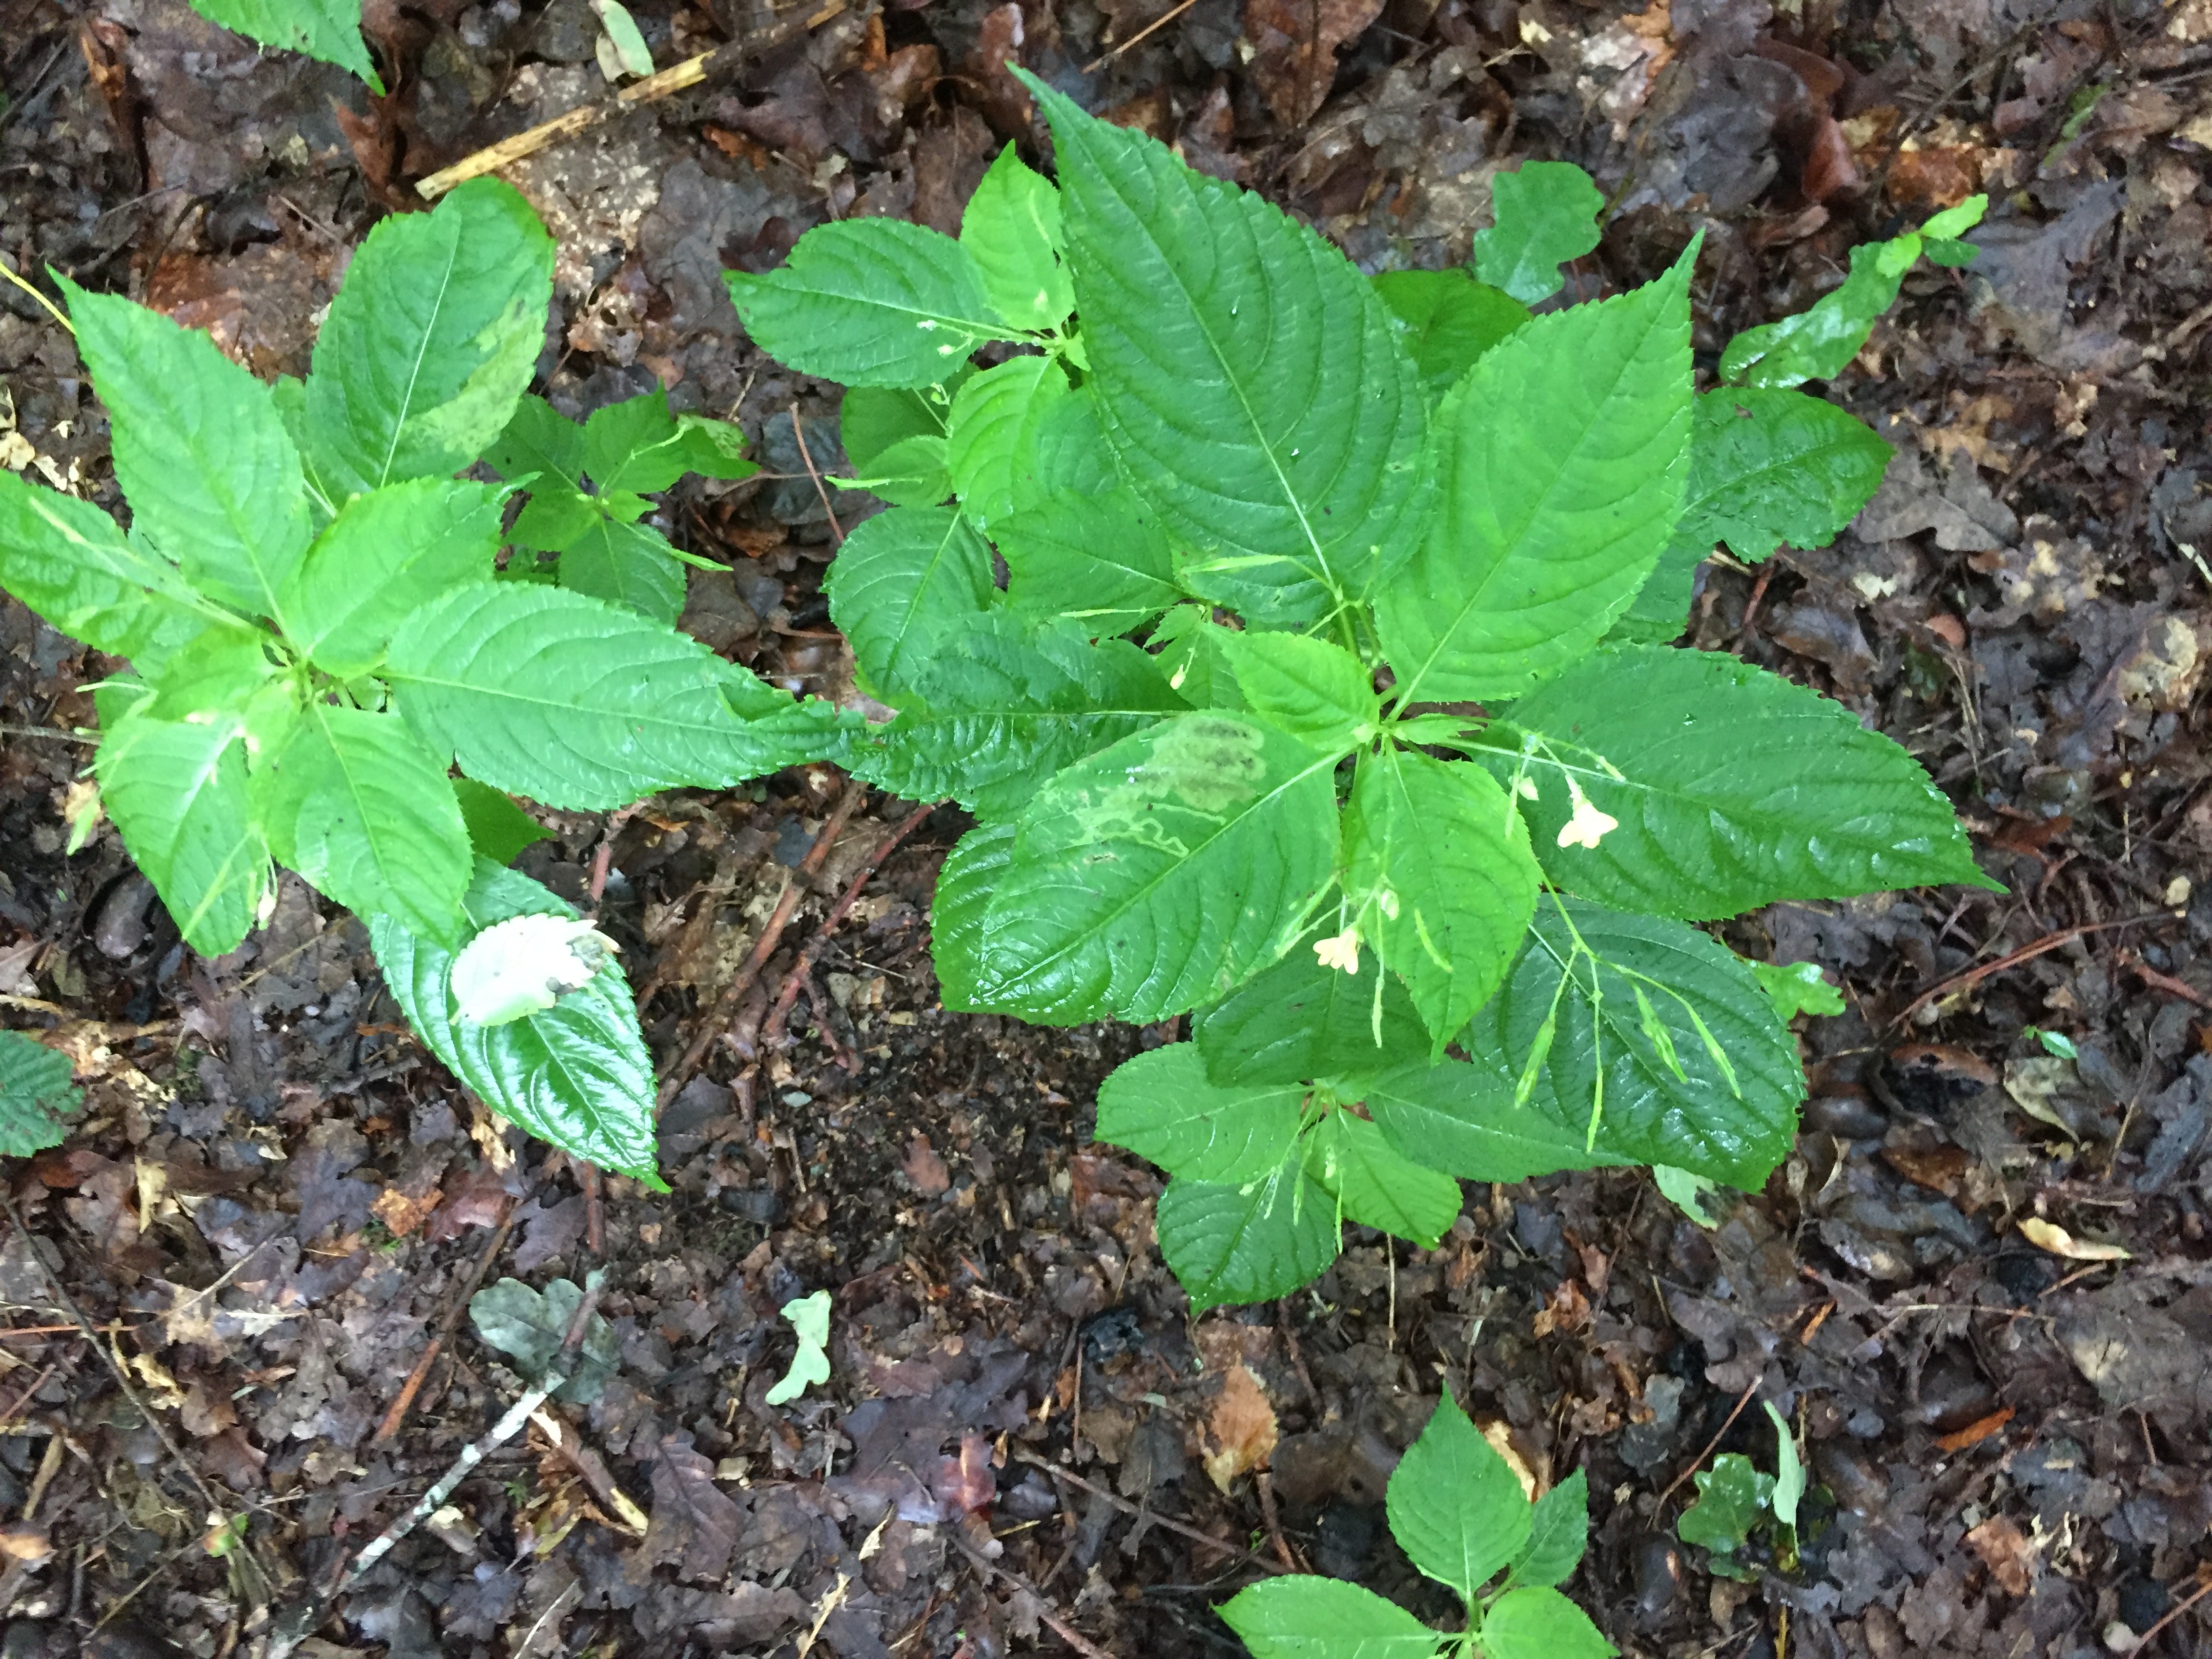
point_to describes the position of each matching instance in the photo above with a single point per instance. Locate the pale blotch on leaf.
(522, 966)
(1587, 826)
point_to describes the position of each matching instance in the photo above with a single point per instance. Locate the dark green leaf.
(1251, 1243)
(1768, 467)
(177, 791)
(629, 565)
(530, 1328)
(902, 582)
(385, 554)
(1376, 1185)
(1447, 320)
(35, 1094)
(1104, 560)
(1558, 1530)
(1455, 1506)
(1731, 1496)
(991, 419)
(498, 828)
(960, 906)
(873, 418)
(1460, 1118)
(1161, 1106)
(1298, 1021)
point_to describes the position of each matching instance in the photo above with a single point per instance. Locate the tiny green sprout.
(2055, 1042)
(810, 1322)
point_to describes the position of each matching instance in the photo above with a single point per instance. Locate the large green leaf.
(629, 565)
(1539, 1623)
(1558, 1531)
(1158, 873)
(1102, 560)
(577, 1074)
(356, 804)
(328, 30)
(1306, 1617)
(1447, 321)
(387, 554)
(1065, 453)
(870, 302)
(65, 559)
(1248, 377)
(177, 791)
(1546, 215)
(1773, 466)
(1011, 226)
(1376, 1185)
(1161, 1106)
(565, 700)
(430, 342)
(1311, 688)
(1000, 707)
(1562, 457)
(1456, 1507)
(1664, 1039)
(36, 1092)
(1459, 1117)
(1250, 1242)
(1298, 1021)
(902, 580)
(213, 480)
(1437, 865)
(961, 905)
(1732, 788)
(984, 439)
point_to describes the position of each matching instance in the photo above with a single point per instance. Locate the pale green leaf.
(431, 341)
(902, 580)
(1788, 1468)
(1558, 1530)
(530, 1328)
(498, 828)
(1305, 1617)
(1311, 688)
(1298, 1021)
(1376, 1185)
(1013, 227)
(388, 554)
(1447, 320)
(872, 302)
(1459, 1117)
(1250, 1242)
(577, 1075)
(177, 791)
(326, 30)
(1161, 1106)
(1562, 457)
(1731, 788)
(1455, 1506)
(989, 417)
(1547, 214)
(912, 472)
(1438, 870)
(1102, 560)
(1248, 376)
(217, 673)
(356, 804)
(36, 1093)
(1193, 651)
(629, 565)
(1769, 467)
(961, 905)
(1157, 874)
(809, 1316)
(1690, 1194)
(623, 37)
(1799, 988)
(211, 476)
(873, 418)
(1539, 1622)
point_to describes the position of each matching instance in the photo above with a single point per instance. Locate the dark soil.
(274, 1199)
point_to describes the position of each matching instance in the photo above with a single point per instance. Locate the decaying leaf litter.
(272, 1199)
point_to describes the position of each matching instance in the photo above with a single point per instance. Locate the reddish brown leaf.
(1295, 44)
(2010, 1556)
(925, 1168)
(1977, 1431)
(1240, 1429)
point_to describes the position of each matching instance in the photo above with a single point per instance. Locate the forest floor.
(274, 1199)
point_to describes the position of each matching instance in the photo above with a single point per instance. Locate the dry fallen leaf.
(2050, 1236)
(925, 1168)
(1499, 1434)
(2010, 1556)
(1242, 1428)
(401, 1214)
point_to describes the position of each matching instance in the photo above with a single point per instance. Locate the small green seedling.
(1736, 1501)
(1456, 1509)
(810, 1322)
(36, 1094)
(2055, 1043)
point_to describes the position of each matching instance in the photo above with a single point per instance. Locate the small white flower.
(1589, 825)
(1341, 952)
(1525, 787)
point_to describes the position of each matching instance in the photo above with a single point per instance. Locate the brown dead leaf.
(1241, 1430)
(2010, 1556)
(1295, 43)
(401, 1214)
(694, 1521)
(1569, 1310)
(1499, 1433)
(1939, 1168)
(1976, 1431)
(925, 1168)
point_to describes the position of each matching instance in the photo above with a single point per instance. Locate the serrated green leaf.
(1460, 1118)
(912, 472)
(1539, 1622)
(530, 1328)
(328, 31)
(548, 693)
(498, 828)
(1013, 227)
(1376, 1185)
(35, 1093)
(1731, 1118)
(1162, 1107)
(638, 446)
(1298, 1021)
(902, 580)
(1104, 560)
(1455, 1506)
(217, 673)
(356, 804)
(983, 438)
(1001, 705)
(870, 302)
(1732, 788)
(577, 1075)
(1547, 214)
(1248, 376)
(1193, 654)
(177, 791)
(1562, 457)
(873, 418)
(65, 559)
(1731, 1496)
(1770, 466)
(1799, 988)
(1447, 320)
(1559, 1529)
(1065, 453)
(1438, 869)
(961, 905)
(629, 565)
(1250, 1243)
(1310, 688)
(431, 341)
(1157, 874)
(1305, 1617)
(385, 554)
(539, 440)
(213, 480)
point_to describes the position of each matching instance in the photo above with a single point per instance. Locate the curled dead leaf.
(1240, 1429)
(2050, 1236)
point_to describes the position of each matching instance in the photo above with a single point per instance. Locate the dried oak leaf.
(1241, 1428)
(694, 1522)
(1295, 45)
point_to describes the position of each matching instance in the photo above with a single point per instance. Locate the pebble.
(119, 929)
(1848, 1117)
(1658, 1576)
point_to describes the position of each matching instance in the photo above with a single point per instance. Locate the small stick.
(798, 431)
(2142, 1644)
(1251, 1558)
(595, 1212)
(446, 1325)
(771, 936)
(1973, 976)
(1159, 22)
(1058, 1627)
(811, 953)
(689, 73)
(1698, 1462)
(2166, 982)
(1266, 1488)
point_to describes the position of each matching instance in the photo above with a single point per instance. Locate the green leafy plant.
(319, 629)
(1324, 699)
(36, 1093)
(326, 30)
(1457, 1509)
(1739, 1503)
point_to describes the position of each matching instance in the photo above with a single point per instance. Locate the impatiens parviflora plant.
(1323, 699)
(1457, 1509)
(320, 626)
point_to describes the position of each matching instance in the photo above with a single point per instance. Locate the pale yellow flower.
(1341, 952)
(1589, 825)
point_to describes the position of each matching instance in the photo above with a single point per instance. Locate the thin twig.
(1973, 976)
(1159, 22)
(2166, 982)
(1250, 1557)
(799, 432)
(2143, 1644)
(1051, 1620)
(1698, 1461)
(446, 1326)
(811, 953)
